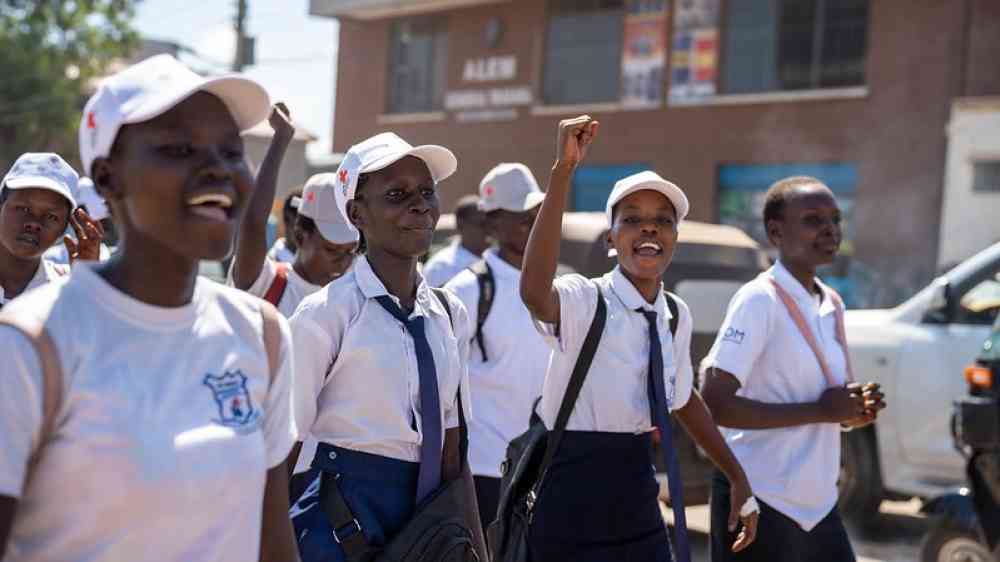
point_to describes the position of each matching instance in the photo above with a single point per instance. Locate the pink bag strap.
(800, 323)
(52, 377)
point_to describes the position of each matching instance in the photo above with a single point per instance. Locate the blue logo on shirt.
(236, 409)
(734, 336)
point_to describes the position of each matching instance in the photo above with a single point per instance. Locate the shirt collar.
(500, 267)
(789, 283)
(630, 297)
(372, 287)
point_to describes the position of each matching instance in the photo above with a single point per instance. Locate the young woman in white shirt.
(781, 402)
(377, 365)
(167, 431)
(599, 500)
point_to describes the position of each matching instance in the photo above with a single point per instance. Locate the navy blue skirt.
(380, 491)
(599, 502)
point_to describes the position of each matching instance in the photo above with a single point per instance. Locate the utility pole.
(243, 43)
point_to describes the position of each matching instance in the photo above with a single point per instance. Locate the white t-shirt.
(281, 252)
(356, 379)
(505, 387)
(614, 397)
(168, 424)
(447, 263)
(47, 272)
(793, 469)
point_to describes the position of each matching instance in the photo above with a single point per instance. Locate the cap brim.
(40, 182)
(336, 232)
(246, 100)
(440, 161)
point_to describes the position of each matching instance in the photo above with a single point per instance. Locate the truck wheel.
(860, 483)
(949, 543)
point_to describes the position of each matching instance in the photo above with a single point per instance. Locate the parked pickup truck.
(917, 351)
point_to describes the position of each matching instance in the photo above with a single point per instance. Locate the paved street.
(895, 538)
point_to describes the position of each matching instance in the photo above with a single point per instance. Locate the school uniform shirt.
(296, 289)
(447, 263)
(356, 379)
(168, 424)
(614, 397)
(504, 388)
(46, 272)
(281, 252)
(792, 469)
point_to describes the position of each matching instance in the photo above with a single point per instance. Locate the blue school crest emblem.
(236, 408)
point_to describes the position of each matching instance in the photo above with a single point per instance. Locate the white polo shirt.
(505, 387)
(46, 272)
(356, 379)
(281, 252)
(447, 263)
(59, 254)
(614, 397)
(168, 425)
(793, 469)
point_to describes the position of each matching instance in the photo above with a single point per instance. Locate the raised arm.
(542, 254)
(251, 249)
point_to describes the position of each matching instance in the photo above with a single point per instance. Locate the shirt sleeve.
(462, 323)
(577, 306)
(279, 425)
(268, 271)
(465, 286)
(683, 373)
(314, 348)
(743, 334)
(21, 389)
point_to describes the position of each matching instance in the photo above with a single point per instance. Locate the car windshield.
(991, 349)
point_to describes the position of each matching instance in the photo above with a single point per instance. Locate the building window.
(592, 184)
(986, 175)
(773, 45)
(583, 51)
(418, 52)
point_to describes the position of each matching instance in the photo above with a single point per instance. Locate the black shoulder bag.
(530, 455)
(445, 528)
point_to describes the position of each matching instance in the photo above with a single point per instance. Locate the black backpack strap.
(583, 362)
(442, 298)
(487, 291)
(675, 312)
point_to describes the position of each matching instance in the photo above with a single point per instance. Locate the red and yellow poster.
(694, 58)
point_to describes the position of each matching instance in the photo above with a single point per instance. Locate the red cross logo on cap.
(488, 191)
(91, 121)
(311, 196)
(344, 176)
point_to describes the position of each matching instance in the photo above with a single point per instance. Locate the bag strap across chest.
(807, 333)
(487, 293)
(277, 289)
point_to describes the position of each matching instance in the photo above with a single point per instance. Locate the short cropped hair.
(467, 207)
(777, 194)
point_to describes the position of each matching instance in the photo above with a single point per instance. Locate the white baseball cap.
(152, 87)
(43, 170)
(87, 196)
(648, 181)
(510, 187)
(320, 204)
(381, 151)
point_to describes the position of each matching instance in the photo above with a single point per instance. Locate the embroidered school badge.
(236, 408)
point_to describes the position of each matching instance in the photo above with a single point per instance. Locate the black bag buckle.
(347, 531)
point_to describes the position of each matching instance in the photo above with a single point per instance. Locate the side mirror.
(937, 309)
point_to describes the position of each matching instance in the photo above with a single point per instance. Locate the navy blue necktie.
(658, 414)
(430, 404)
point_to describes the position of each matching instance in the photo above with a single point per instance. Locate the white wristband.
(750, 507)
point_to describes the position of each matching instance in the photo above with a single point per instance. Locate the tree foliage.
(51, 54)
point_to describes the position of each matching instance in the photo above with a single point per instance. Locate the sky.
(296, 53)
